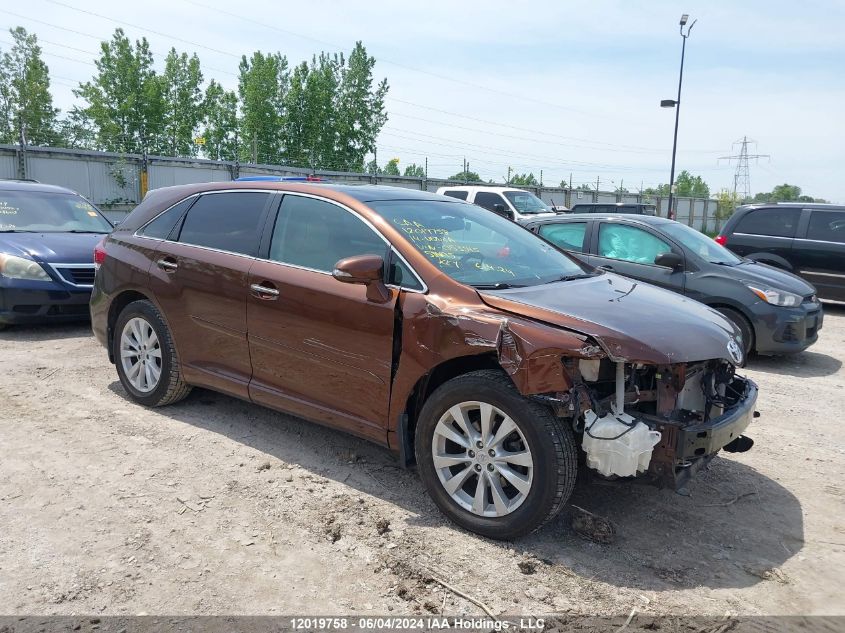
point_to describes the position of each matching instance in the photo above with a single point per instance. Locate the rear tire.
(745, 328)
(145, 357)
(494, 462)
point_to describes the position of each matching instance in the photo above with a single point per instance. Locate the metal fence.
(117, 182)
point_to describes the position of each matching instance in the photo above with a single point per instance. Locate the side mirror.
(367, 270)
(500, 209)
(669, 260)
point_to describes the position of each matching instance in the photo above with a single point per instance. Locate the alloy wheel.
(482, 459)
(140, 354)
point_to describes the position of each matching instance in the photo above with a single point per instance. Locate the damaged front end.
(658, 422)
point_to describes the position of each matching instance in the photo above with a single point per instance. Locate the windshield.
(476, 247)
(526, 202)
(700, 244)
(36, 211)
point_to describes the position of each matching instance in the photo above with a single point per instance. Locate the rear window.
(43, 212)
(460, 195)
(827, 226)
(770, 222)
(162, 226)
(226, 221)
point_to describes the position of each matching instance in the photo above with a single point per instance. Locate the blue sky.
(562, 87)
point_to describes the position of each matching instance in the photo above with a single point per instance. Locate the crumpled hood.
(53, 248)
(631, 320)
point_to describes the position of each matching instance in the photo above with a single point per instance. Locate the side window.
(400, 275)
(226, 221)
(487, 199)
(569, 236)
(317, 234)
(460, 195)
(621, 241)
(774, 222)
(828, 226)
(161, 226)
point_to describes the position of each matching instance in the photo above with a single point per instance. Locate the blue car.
(47, 240)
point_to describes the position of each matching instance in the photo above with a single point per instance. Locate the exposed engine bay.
(661, 422)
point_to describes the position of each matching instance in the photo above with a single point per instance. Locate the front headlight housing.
(777, 297)
(15, 267)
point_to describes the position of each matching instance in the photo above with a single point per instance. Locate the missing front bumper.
(683, 451)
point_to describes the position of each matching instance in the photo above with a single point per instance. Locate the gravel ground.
(217, 506)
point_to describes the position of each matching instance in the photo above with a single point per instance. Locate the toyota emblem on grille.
(735, 350)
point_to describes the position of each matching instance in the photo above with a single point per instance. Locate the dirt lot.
(217, 506)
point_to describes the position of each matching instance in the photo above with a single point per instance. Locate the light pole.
(673, 103)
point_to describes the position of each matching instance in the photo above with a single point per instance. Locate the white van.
(516, 204)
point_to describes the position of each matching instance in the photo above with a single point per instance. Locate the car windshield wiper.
(498, 286)
(78, 231)
(572, 277)
(18, 231)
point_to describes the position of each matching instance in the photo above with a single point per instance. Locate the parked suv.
(514, 204)
(438, 329)
(775, 311)
(636, 208)
(47, 237)
(807, 239)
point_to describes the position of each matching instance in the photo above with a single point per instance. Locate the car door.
(766, 234)
(320, 348)
(629, 249)
(818, 252)
(199, 279)
(570, 236)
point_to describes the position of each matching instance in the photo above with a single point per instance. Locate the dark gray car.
(776, 311)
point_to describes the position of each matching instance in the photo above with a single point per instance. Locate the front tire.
(496, 463)
(146, 359)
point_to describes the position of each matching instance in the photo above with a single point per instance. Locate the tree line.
(326, 113)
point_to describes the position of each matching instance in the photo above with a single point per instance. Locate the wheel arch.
(772, 260)
(425, 386)
(123, 299)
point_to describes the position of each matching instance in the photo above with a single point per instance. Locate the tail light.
(721, 240)
(100, 253)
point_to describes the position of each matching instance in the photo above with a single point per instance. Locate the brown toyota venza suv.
(456, 338)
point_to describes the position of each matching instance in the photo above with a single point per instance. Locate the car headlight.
(777, 297)
(16, 267)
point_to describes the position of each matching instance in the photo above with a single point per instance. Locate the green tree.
(689, 186)
(785, 193)
(726, 203)
(182, 102)
(524, 180)
(310, 117)
(123, 101)
(417, 171)
(392, 167)
(220, 123)
(372, 168)
(26, 106)
(466, 176)
(584, 187)
(660, 190)
(360, 112)
(76, 130)
(262, 86)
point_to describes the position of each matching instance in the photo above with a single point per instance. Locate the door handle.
(605, 267)
(167, 265)
(268, 293)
